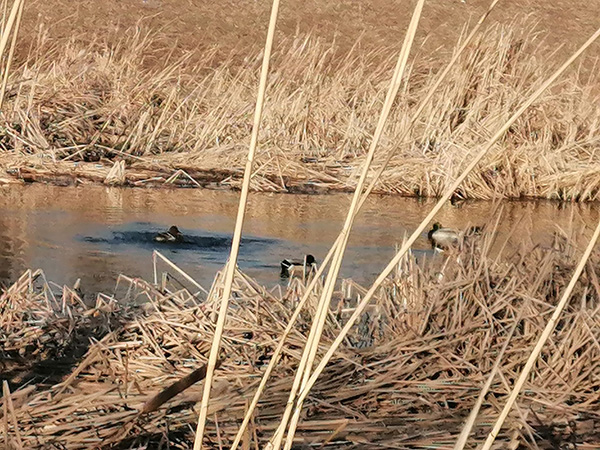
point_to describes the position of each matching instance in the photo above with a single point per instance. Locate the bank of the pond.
(75, 110)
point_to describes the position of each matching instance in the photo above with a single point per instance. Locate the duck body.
(289, 267)
(445, 238)
(173, 236)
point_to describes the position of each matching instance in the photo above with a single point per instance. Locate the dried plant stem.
(8, 402)
(235, 245)
(375, 179)
(363, 199)
(425, 100)
(464, 434)
(282, 339)
(541, 341)
(10, 54)
(4, 7)
(6, 31)
(445, 197)
(173, 266)
(312, 344)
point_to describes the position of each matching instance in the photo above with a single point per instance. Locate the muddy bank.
(151, 176)
(317, 178)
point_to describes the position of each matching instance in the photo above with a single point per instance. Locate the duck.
(173, 235)
(443, 238)
(289, 267)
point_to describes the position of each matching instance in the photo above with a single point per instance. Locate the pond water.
(96, 232)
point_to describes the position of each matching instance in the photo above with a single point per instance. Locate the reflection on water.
(95, 232)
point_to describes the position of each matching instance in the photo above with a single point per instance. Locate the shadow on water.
(210, 242)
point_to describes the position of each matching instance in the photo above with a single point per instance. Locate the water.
(96, 232)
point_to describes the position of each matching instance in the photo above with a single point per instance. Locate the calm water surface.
(96, 232)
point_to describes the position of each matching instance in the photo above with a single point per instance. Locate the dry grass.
(70, 103)
(408, 379)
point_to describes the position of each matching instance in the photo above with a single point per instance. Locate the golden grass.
(411, 373)
(66, 100)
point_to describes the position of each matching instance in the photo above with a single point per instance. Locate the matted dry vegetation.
(73, 109)
(407, 376)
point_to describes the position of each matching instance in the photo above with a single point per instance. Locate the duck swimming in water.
(289, 267)
(444, 238)
(173, 235)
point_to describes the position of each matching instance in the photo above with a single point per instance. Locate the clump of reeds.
(43, 331)
(409, 372)
(67, 104)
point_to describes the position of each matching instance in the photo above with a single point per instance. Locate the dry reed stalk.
(372, 184)
(6, 430)
(233, 256)
(282, 340)
(535, 353)
(15, 15)
(4, 7)
(8, 28)
(470, 422)
(10, 54)
(6, 396)
(116, 175)
(310, 352)
(548, 153)
(432, 376)
(425, 100)
(390, 267)
(175, 267)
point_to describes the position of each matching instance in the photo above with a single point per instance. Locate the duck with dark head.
(290, 267)
(173, 235)
(444, 238)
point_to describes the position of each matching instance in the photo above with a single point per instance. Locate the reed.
(535, 353)
(237, 234)
(393, 263)
(304, 369)
(326, 260)
(7, 32)
(98, 104)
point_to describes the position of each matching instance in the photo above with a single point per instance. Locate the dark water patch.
(205, 242)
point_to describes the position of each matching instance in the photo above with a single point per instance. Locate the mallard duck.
(173, 235)
(444, 238)
(288, 267)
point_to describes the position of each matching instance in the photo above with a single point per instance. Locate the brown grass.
(72, 102)
(414, 368)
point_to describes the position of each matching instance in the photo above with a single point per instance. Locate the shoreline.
(150, 176)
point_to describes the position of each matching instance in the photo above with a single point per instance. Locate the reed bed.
(407, 377)
(72, 111)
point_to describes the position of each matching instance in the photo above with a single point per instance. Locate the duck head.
(310, 260)
(436, 226)
(174, 231)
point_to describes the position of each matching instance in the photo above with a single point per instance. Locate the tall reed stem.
(390, 267)
(464, 435)
(7, 29)
(235, 245)
(541, 341)
(310, 350)
(372, 184)
(10, 54)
